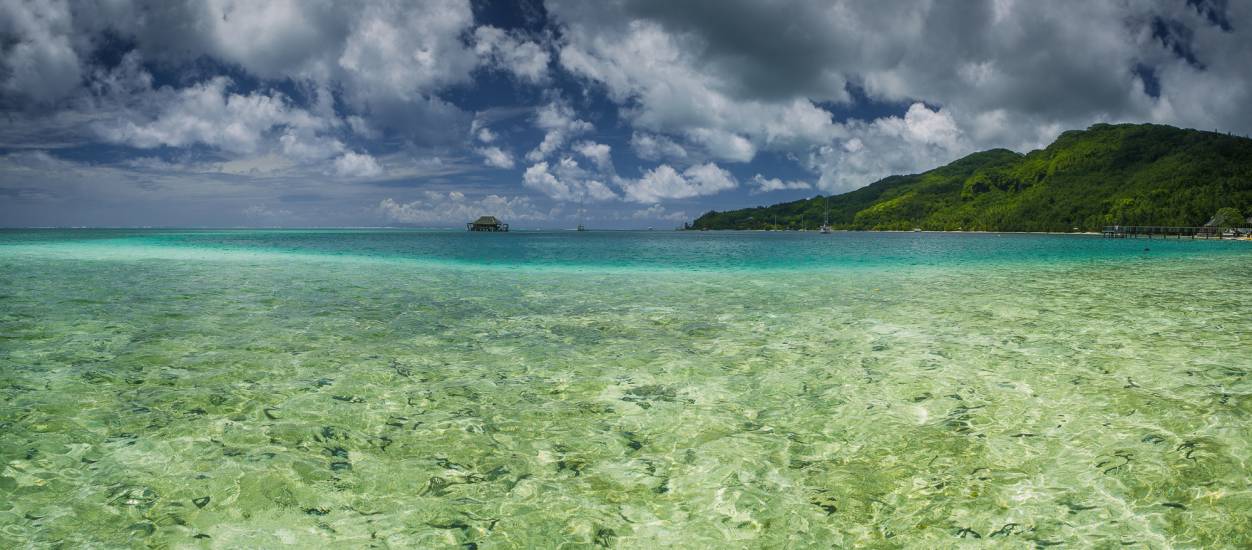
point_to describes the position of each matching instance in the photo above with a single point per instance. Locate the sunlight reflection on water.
(249, 390)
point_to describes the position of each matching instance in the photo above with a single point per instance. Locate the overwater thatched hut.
(487, 223)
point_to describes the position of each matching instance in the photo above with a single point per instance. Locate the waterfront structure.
(487, 223)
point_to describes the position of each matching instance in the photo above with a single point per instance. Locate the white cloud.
(402, 51)
(724, 145)
(207, 113)
(304, 144)
(761, 184)
(598, 153)
(538, 177)
(659, 79)
(656, 147)
(34, 160)
(560, 123)
(758, 79)
(357, 165)
(423, 165)
(362, 127)
(495, 157)
(1006, 73)
(455, 207)
(663, 182)
(508, 51)
(566, 181)
(922, 126)
(387, 62)
(920, 140)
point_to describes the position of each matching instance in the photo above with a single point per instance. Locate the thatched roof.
(486, 220)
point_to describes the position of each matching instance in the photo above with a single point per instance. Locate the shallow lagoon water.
(442, 389)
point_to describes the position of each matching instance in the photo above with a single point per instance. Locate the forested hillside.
(1130, 174)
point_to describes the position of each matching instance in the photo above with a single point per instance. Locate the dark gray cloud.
(236, 103)
(769, 52)
(385, 61)
(737, 77)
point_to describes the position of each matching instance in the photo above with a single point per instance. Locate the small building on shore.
(487, 223)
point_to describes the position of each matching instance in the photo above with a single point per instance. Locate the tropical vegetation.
(1126, 174)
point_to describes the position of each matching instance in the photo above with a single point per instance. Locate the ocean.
(415, 388)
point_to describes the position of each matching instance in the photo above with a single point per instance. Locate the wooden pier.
(1159, 232)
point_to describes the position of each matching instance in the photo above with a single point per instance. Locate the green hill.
(1129, 174)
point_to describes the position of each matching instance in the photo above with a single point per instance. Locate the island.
(1108, 174)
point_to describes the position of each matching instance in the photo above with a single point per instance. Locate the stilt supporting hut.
(487, 223)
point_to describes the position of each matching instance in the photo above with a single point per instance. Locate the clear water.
(442, 389)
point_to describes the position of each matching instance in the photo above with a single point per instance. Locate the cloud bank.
(617, 105)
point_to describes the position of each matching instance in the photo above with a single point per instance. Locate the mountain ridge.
(1128, 174)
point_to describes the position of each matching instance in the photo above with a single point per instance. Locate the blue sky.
(624, 113)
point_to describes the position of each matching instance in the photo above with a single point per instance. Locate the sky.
(615, 113)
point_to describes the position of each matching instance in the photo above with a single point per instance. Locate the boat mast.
(582, 212)
(826, 219)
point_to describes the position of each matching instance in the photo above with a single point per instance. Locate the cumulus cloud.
(656, 147)
(495, 157)
(921, 139)
(509, 51)
(723, 144)
(559, 123)
(598, 153)
(566, 181)
(433, 207)
(362, 127)
(397, 51)
(207, 113)
(765, 77)
(263, 130)
(850, 91)
(664, 182)
(357, 165)
(37, 60)
(661, 79)
(387, 62)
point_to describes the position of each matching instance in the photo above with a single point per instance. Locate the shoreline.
(561, 230)
(1096, 233)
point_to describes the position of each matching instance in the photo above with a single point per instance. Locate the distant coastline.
(1244, 238)
(1124, 174)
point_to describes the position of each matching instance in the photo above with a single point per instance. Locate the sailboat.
(581, 213)
(826, 220)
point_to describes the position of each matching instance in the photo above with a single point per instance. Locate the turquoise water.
(622, 250)
(347, 388)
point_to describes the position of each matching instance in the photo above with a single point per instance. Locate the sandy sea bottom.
(256, 401)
